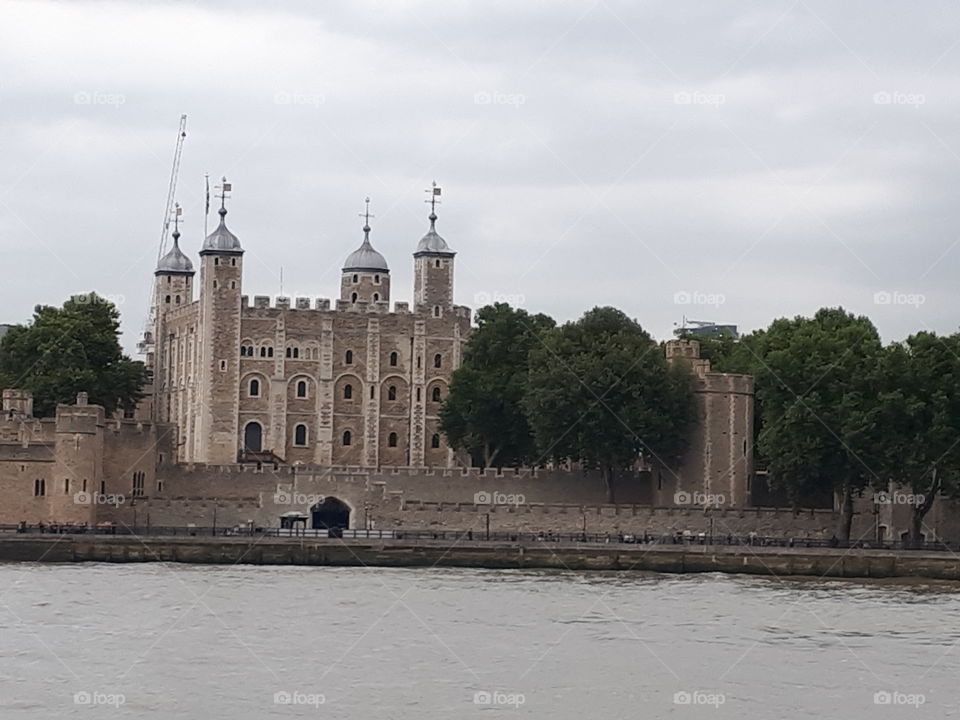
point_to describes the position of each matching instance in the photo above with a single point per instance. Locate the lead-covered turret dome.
(365, 258)
(432, 243)
(175, 262)
(221, 240)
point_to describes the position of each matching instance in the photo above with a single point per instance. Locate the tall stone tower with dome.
(359, 381)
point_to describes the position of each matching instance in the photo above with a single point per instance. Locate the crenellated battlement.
(125, 427)
(324, 305)
(467, 473)
(79, 419)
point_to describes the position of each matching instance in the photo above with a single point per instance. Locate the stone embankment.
(818, 562)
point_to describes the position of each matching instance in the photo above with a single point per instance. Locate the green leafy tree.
(602, 393)
(921, 414)
(482, 413)
(66, 350)
(817, 382)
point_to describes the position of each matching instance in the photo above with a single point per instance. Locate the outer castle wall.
(47, 464)
(548, 501)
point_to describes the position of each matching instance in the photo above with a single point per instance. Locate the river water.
(245, 642)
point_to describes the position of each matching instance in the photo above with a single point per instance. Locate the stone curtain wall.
(545, 501)
(533, 500)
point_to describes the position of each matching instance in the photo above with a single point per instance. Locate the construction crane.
(146, 345)
(172, 187)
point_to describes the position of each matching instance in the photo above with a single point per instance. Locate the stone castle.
(252, 404)
(357, 383)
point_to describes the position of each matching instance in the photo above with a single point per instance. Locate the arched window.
(376, 297)
(348, 357)
(253, 437)
(435, 441)
(269, 352)
(301, 388)
(437, 360)
(289, 352)
(346, 437)
(393, 359)
(347, 391)
(177, 300)
(243, 351)
(376, 279)
(436, 394)
(392, 439)
(254, 390)
(353, 297)
(436, 262)
(436, 311)
(263, 351)
(249, 350)
(392, 392)
(300, 435)
(167, 300)
(356, 278)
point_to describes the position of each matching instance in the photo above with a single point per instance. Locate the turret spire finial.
(177, 212)
(366, 216)
(434, 201)
(225, 188)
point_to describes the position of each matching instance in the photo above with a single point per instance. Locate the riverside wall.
(821, 562)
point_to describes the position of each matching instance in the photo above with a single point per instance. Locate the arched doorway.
(331, 513)
(253, 437)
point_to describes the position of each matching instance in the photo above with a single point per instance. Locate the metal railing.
(473, 536)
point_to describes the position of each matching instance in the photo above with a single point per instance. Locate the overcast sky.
(733, 162)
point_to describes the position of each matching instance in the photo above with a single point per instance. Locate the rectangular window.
(137, 490)
(66, 486)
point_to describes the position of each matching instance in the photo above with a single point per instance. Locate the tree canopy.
(483, 414)
(817, 381)
(920, 405)
(602, 393)
(837, 414)
(70, 349)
